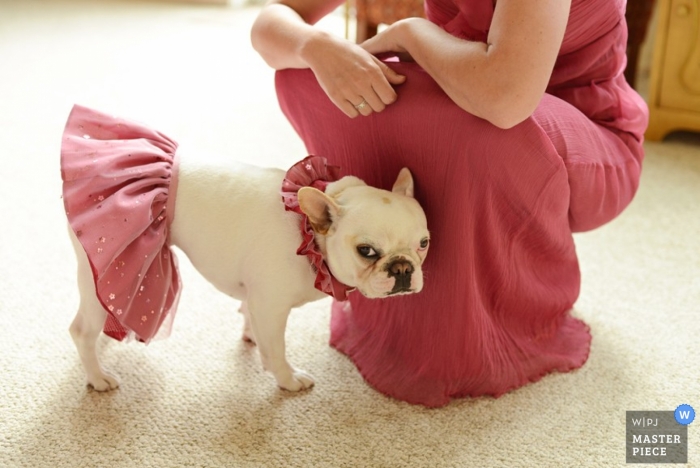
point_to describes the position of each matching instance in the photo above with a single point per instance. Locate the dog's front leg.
(268, 321)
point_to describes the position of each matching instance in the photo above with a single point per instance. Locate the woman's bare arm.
(502, 80)
(285, 37)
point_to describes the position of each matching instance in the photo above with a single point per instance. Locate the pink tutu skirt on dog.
(119, 183)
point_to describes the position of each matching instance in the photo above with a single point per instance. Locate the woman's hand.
(389, 41)
(357, 82)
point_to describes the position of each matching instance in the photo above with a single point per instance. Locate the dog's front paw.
(296, 381)
(103, 382)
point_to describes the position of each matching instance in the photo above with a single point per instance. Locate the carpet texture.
(200, 398)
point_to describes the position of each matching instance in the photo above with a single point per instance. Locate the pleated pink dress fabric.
(502, 275)
(119, 187)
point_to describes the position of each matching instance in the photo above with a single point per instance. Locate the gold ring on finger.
(361, 105)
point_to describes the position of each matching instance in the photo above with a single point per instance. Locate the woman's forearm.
(287, 39)
(461, 68)
(279, 35)
(501, 80)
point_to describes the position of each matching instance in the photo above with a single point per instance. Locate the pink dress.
(502, 274)
(119, 187)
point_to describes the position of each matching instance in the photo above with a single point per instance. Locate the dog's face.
(372, 239)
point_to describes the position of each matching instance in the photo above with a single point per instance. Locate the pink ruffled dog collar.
(313, 171)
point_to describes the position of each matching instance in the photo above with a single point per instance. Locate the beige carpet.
(200, 398)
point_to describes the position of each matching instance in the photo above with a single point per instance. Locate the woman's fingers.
(377, 93)
(364, 107)
(355, 81)
(392, 76)
(368, 102)
(387, 94)
(361, 106)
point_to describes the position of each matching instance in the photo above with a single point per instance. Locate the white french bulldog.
(231, 223)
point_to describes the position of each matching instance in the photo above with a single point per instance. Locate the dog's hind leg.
(247, 330)
(268, 322)
(87, 325)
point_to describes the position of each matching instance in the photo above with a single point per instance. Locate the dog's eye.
(367, 251)
(424, 243)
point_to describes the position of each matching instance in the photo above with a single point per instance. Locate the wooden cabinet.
(674, 91)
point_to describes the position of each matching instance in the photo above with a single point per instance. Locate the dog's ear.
(404, 183)
(319, 207)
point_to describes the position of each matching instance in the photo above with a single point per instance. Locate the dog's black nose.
(401, 270)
